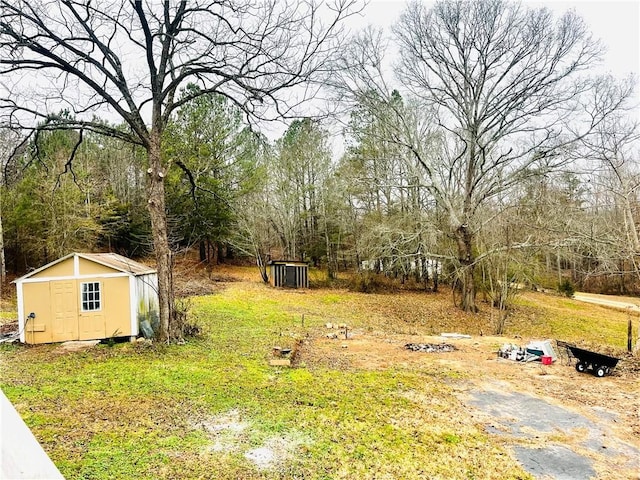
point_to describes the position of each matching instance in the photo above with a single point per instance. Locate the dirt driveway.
(559, 424)
(611, 301)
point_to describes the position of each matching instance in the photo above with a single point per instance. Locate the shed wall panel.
(37, 300)
(115, 309)
(147, 305)
(87, 267)
(62, 269)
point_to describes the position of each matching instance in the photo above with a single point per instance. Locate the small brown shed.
(86, 296)
(289, 273)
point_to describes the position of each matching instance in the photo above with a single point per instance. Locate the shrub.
(184, 324)
(567, 288)
(369, 282)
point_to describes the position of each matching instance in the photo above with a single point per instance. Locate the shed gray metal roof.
(119, 262)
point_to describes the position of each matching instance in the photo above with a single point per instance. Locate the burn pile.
(430, 347)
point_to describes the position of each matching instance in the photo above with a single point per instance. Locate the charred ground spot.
(430, 347)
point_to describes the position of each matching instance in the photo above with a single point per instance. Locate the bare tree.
(130, 58)
(499, 92)
(613, 173)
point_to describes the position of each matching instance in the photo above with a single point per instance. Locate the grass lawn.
(214, 408)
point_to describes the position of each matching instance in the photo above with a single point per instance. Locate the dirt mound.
(629, 365)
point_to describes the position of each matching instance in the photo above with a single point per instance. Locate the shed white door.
(64, 311)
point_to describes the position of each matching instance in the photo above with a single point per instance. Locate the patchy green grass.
(204, 409)
(562, 318)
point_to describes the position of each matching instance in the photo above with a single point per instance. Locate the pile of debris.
(342, 331)
(430, 347)
(9, 332)
(535, 351)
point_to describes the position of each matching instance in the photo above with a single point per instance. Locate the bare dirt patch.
(608, 407)
(275, 452)
(230, 433)
(226, 431)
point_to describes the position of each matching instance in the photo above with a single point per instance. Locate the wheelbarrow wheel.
(600, 371)
(581, 367)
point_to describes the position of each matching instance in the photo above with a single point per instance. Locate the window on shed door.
(90, 296)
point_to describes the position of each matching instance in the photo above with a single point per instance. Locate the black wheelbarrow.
(599, 364)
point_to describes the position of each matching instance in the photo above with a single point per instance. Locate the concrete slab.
(554, 462)
(21, 456)
(78, 345)
(522, 416)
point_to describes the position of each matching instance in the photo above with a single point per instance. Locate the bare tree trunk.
(331, 274)
(464, 239)
(202, 246)
(262, 265)
(158, 216)
(435, 282)
(215, 259)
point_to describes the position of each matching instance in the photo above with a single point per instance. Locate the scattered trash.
(343, 330)
(542, 348)
(281, 352)
(513, 352)
(9, 332)
(430, 347)
(146, 329)
(282, 357)
(10, 337)
(538, 351)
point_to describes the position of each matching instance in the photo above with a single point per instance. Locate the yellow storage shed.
(86, 296)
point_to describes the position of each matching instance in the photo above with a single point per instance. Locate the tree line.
(492, 157)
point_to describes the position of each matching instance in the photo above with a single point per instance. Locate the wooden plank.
(21, 456)
(280, 362)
